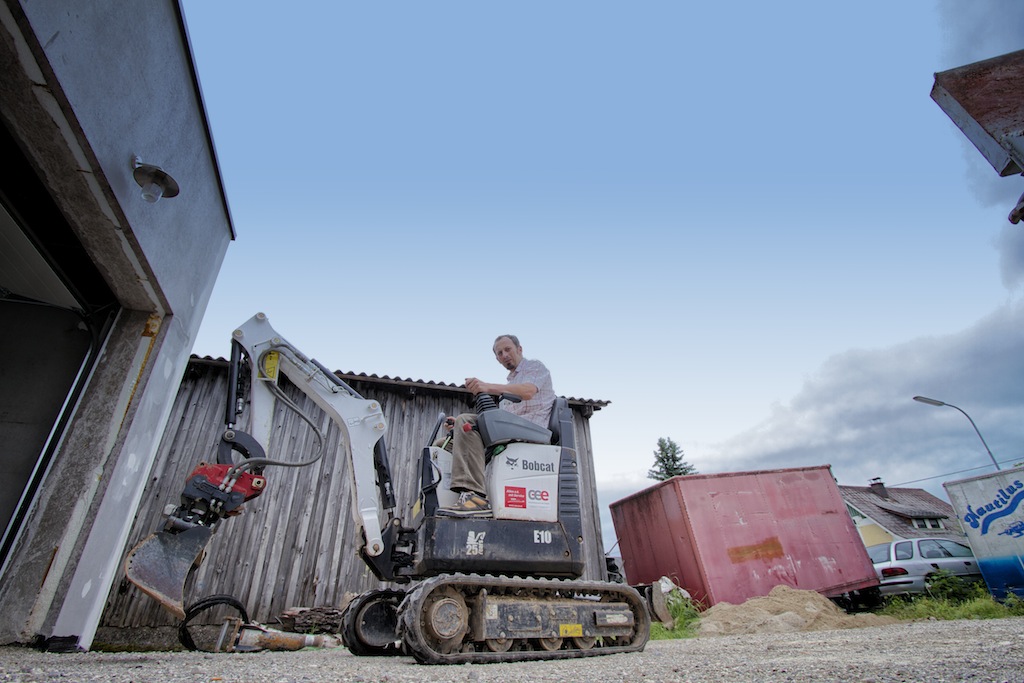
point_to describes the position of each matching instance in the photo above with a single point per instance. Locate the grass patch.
(685, 613)
(950, 597)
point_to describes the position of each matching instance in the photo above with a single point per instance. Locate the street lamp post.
(933, 402)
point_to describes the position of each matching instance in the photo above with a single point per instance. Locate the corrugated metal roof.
(897, 512)
(412, 386)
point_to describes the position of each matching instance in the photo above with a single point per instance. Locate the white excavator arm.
(361, 421)
(161, 563)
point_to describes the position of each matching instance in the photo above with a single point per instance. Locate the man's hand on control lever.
(499, 390)
(478, 387)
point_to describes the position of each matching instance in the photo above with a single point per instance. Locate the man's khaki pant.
(467, 457)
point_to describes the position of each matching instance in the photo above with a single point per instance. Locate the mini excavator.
(466, 590)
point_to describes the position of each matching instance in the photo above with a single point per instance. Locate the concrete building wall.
(86, 88)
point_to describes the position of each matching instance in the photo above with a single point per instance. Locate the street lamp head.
(933, 402)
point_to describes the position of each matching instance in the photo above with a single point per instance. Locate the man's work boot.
(470, 504)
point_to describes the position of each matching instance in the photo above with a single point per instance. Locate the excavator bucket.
(160, 564)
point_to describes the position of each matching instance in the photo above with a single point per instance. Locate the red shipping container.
(734, 536)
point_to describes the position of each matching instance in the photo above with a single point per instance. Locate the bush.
(1014, 605)
(944, 585)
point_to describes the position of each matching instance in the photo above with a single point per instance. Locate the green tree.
(668, 461)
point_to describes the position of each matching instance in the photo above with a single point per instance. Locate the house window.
(928, 523)
(855, 513)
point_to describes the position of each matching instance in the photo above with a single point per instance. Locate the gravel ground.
(931, 651)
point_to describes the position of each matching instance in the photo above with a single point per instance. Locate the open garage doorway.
(55, 311)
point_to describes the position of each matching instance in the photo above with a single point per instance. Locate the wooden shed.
(295, 545)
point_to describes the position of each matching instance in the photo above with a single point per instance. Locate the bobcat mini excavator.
(475, 589)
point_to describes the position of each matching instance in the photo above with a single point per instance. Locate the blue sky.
(746, 225)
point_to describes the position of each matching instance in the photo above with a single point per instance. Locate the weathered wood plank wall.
(295, 545)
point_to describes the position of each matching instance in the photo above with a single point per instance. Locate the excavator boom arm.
(361, 420)
(161, 563)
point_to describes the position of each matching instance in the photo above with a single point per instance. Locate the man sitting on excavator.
(528, 379)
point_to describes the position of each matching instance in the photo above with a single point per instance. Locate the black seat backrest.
(560, 412)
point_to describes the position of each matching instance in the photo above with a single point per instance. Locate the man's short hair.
(514, 338)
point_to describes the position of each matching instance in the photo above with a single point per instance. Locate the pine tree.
(668, 461)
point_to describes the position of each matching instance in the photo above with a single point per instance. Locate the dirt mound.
(784, 610)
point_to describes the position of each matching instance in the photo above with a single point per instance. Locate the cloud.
(980, 29)
(856, 413)
(1010, 244)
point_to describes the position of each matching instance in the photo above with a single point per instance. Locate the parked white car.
(906, 566)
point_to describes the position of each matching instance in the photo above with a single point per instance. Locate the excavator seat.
(499, 427)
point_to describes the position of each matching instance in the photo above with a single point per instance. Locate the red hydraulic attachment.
(207, 477)
(161, 563)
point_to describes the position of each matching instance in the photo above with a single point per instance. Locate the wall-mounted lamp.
(154, 181)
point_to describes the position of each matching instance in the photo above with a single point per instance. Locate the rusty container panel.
(734, 536)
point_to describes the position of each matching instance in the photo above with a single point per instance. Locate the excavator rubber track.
(460, 619)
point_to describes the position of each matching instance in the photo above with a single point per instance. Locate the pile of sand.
(784, 610)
